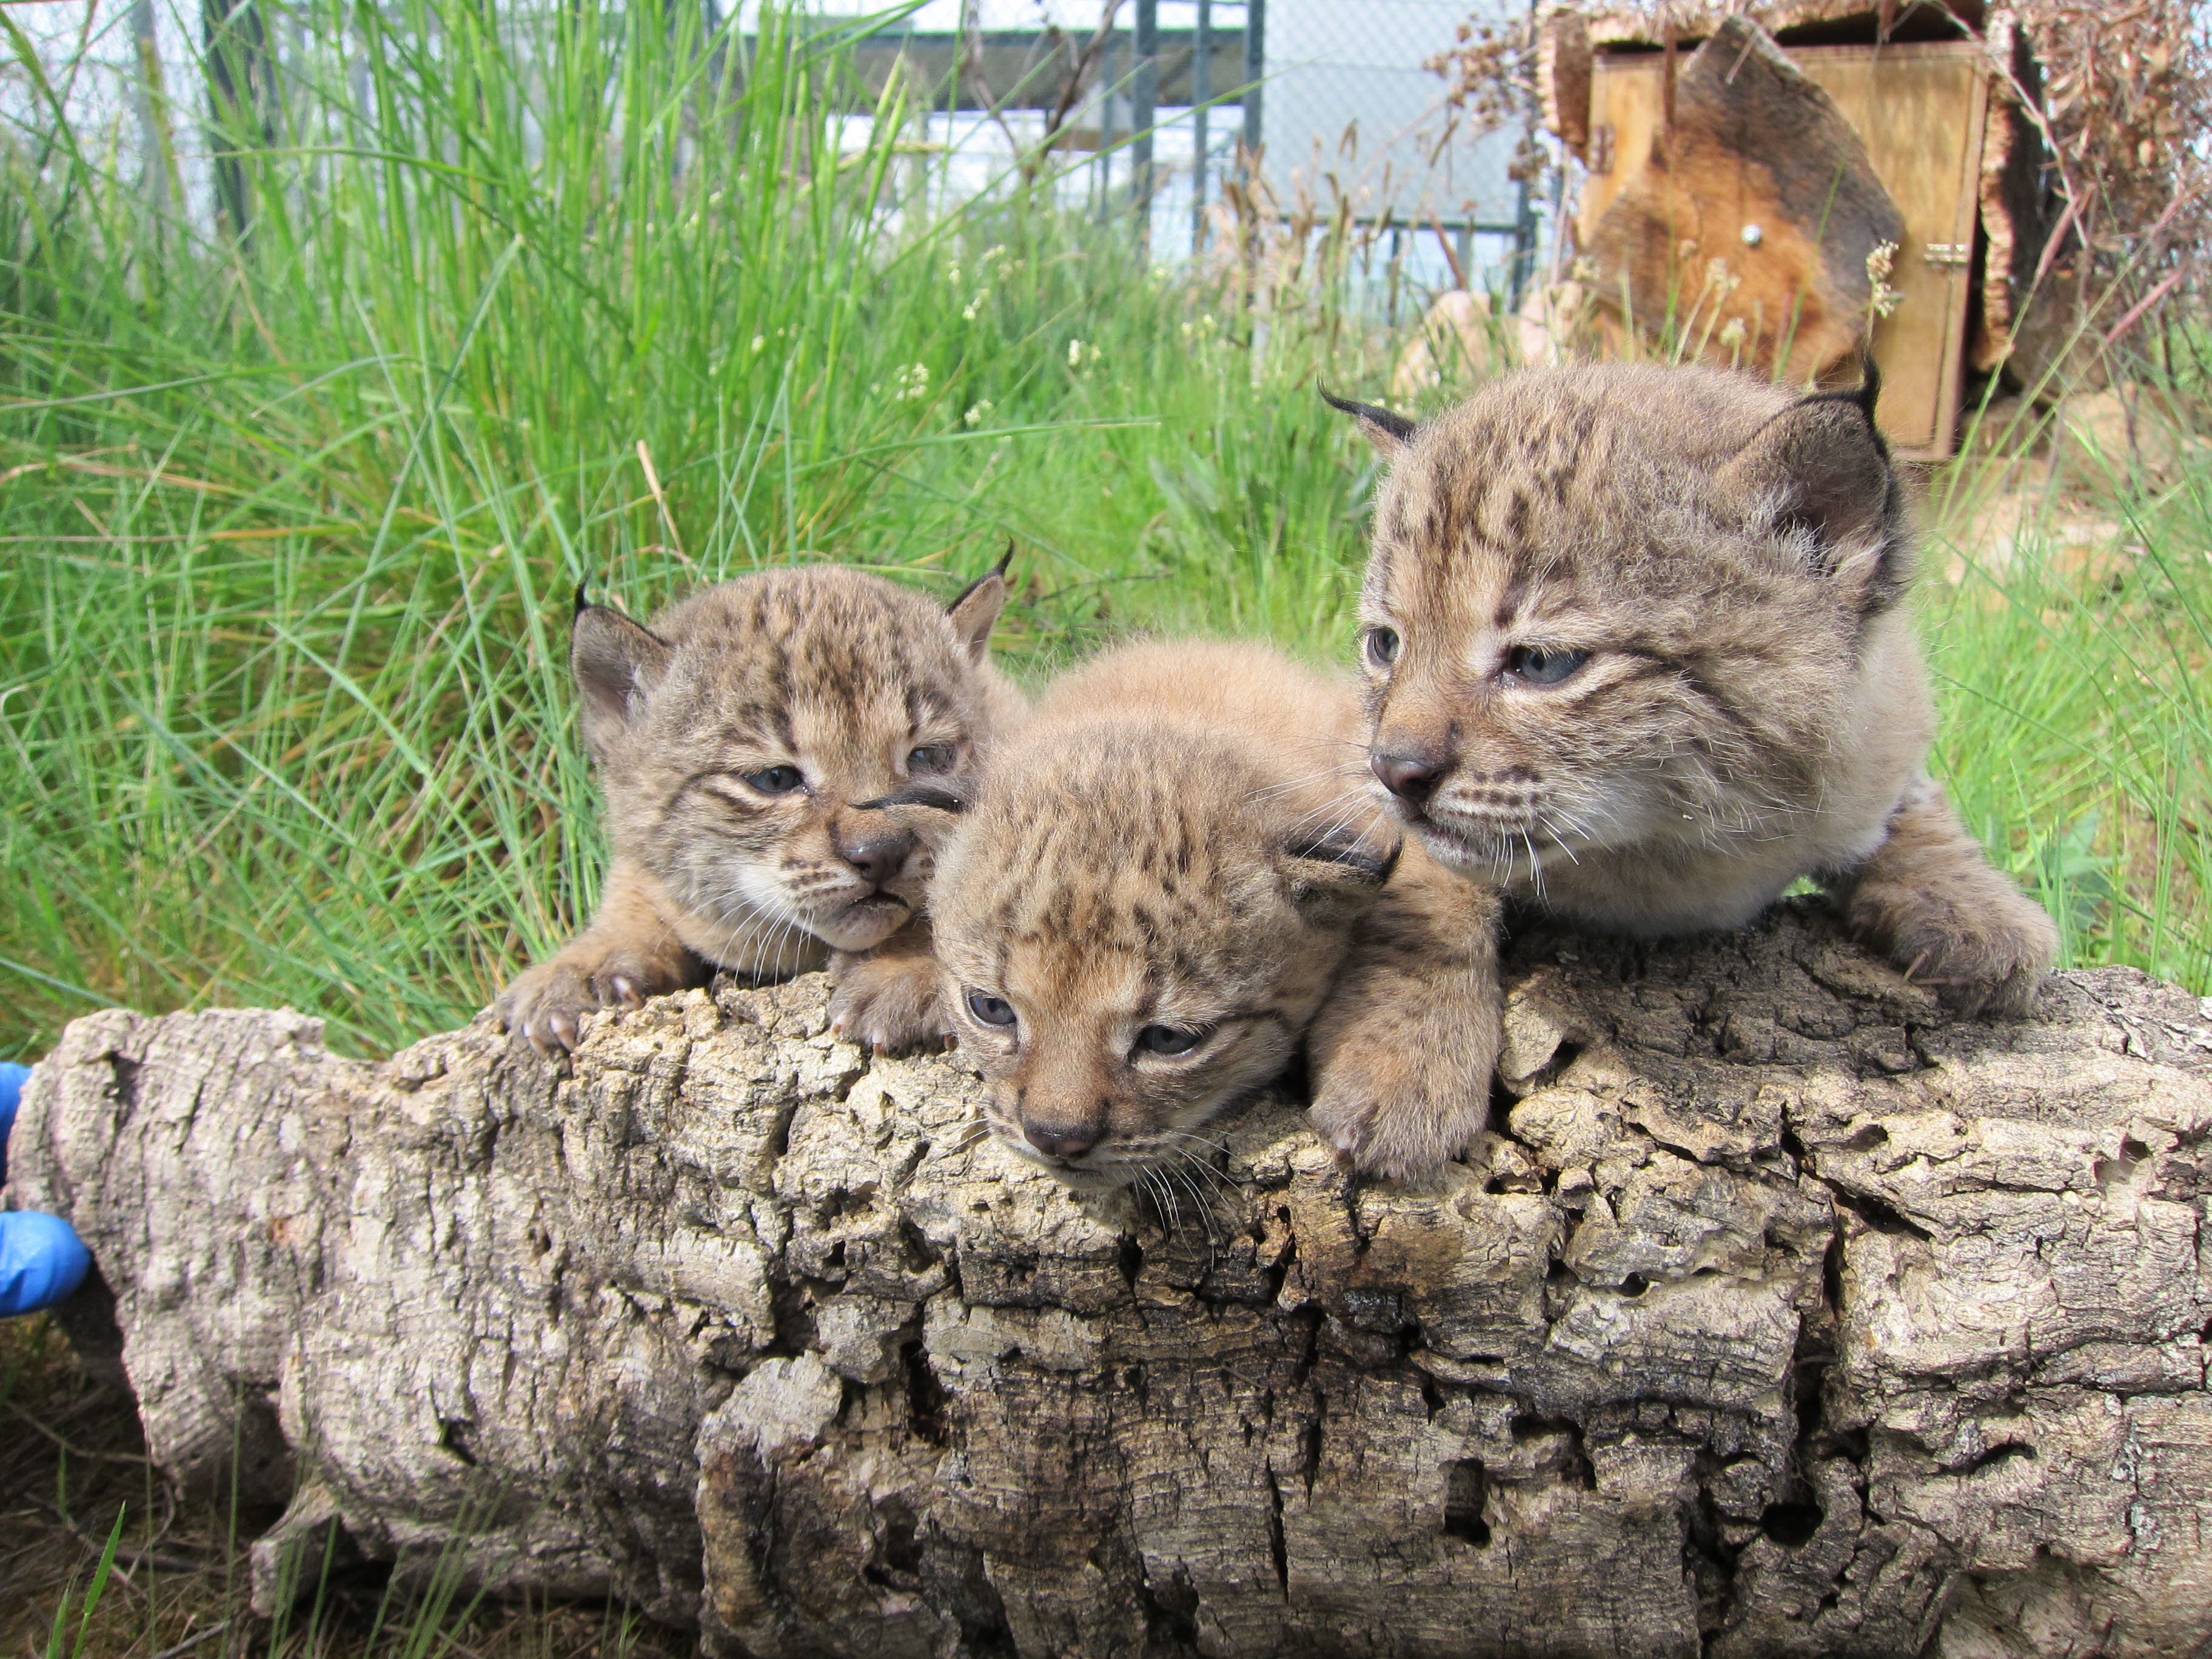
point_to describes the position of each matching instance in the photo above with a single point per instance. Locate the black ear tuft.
(1338, 868)
(582, 604)
(1387, 431)
(1862, 397)
(617, 663)
(997, 570)
(940, 795)
(932, 811)
(1821, 467)
(1344, 847)
(977, 608)
(1870, 393)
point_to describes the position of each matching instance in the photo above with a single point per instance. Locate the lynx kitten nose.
(1411, 778)
(880, 856)
(1071, 1141)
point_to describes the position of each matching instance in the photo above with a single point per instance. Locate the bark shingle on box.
(1779, 1315)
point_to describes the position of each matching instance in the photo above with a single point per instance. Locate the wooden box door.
(1920, 110)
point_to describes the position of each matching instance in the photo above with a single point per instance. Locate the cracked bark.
(1780, 1316)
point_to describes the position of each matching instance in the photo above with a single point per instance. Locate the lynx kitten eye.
(1382, 646)
(1540, 667)
(991, 1011)
(776, 779)
(1169, 1040)
(932, 757)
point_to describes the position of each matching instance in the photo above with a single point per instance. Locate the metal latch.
(1947, 253)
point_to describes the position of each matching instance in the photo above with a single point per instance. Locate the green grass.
(290, 527)
(2077, 696)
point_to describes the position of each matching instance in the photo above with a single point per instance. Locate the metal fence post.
(1146, 99)
(1201, 92)
(1525, 244)
(1255, 66)
(149, 99)
(240, 99)
(1110, 79)
(1524, 206)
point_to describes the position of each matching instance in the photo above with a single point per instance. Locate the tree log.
(1781, 1315)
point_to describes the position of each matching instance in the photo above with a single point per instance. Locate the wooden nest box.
(1765, 184)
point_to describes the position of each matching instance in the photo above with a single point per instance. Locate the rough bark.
(1781, 1315)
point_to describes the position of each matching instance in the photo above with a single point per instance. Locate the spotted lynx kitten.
(1635, 651)
(1142, 905)
(735, 736)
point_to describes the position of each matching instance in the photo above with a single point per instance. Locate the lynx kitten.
(1141, 907)
(1635, 650)
(735, 736)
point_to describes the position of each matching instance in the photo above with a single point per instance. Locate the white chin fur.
(1084, 1177)
(861, 925)
(1447, 848)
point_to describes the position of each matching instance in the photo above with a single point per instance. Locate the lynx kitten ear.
(976, 610)
(616, 664)
(1390, 432)
(1820, 466)
(1339, 867)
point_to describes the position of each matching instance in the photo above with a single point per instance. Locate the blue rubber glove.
(41, 1258)
(12, 1080)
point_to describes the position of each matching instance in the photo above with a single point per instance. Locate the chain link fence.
(1304, 109)
(1158, 113)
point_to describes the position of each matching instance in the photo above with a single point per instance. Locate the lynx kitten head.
(735, 733)
(1141, 911)
(1626, 607)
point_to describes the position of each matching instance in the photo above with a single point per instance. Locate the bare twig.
(84, 1452)
(1079, 73)
(192, 1642)
(2134, 313)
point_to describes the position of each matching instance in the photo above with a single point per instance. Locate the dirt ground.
(72, 1458)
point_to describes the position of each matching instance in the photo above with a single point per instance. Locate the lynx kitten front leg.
(1930, 901)
(629, 953)
(1402, 1051)
(886, 998)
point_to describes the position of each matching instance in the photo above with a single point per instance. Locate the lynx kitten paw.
(888, 1003)
(1399, 1113)
(1930, 903)
(548, 1003)
(1987, 958)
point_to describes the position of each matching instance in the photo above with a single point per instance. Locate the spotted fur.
(1179, 843)
(843, 686)
(1635, 651)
